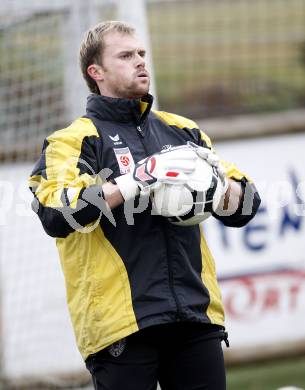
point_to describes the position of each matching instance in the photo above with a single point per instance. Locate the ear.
(95, 72)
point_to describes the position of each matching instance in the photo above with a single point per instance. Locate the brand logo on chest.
(116, 139)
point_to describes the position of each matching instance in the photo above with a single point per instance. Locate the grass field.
(269, 375)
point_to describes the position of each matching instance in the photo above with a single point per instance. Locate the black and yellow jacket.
(123, 274)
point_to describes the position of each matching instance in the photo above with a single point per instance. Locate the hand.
(212, 158)
(170, 166)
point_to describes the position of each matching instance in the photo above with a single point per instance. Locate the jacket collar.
(119, 110)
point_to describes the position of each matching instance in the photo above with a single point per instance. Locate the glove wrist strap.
(127, 186)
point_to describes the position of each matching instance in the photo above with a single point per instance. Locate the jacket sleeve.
(250, 199)
(65, 182)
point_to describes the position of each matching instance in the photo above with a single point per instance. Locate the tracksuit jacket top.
(124, 271)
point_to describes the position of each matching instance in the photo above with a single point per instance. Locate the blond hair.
(92, 46)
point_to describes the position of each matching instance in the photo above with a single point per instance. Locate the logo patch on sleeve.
(124, 159)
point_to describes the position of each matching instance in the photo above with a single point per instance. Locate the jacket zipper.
(141, 136)
(170, 273)
(171, 279)
(140, 132)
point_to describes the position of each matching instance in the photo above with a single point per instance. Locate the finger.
(213, 160)
(186, 166)
(204, 153)
(181, 154)
(174, 148)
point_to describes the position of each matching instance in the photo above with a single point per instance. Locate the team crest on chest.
(124, 159)
(117, 348)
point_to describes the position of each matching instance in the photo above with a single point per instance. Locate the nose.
(140, 61)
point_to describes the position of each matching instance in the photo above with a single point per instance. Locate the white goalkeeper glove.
(212, 158)
(170, 166)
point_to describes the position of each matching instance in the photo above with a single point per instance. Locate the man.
(142, 292)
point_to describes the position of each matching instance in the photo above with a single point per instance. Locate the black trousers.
(180, 356)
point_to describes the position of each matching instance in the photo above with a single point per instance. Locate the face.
(122, 73)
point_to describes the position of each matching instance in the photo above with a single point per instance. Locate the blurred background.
(237, 67)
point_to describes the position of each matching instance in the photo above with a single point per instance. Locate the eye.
(126, 55)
